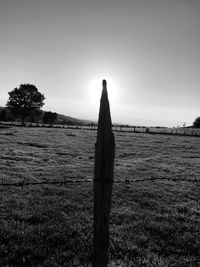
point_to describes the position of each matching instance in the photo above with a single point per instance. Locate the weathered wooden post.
(103, 179)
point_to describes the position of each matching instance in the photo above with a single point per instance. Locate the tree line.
(26, 102)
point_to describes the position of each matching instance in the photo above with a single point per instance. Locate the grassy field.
(152, 223)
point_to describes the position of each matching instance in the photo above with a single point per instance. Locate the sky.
(147, 50)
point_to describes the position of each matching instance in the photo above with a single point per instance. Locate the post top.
(104, 83)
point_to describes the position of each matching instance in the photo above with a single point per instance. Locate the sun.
(95, 89)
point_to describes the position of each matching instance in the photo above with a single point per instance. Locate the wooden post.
(103, 179)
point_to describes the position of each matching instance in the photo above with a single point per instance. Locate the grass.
(151, 224)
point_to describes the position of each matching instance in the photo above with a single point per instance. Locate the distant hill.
(70, 120)
(6, 115)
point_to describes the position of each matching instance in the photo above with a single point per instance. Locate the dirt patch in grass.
(33, 144)
(7, 133)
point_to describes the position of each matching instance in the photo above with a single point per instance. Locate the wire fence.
(186, 263)
(73, 180)
(23, 183)
(181, 131)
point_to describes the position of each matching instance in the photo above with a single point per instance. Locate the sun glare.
(95, 89)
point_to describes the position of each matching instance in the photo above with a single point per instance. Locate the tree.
(49, 117)
(25, 101)
(3, 114)
(196, 123)
(36, 116)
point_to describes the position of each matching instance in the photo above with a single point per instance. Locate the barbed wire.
(24, 183)
(72, 181)
(184, 263)
(127, 181)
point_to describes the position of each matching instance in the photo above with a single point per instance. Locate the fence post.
(103, 179)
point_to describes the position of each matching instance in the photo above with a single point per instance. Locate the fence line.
(182, 131)
(23, 183)
(126, 181)
(183, 263)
